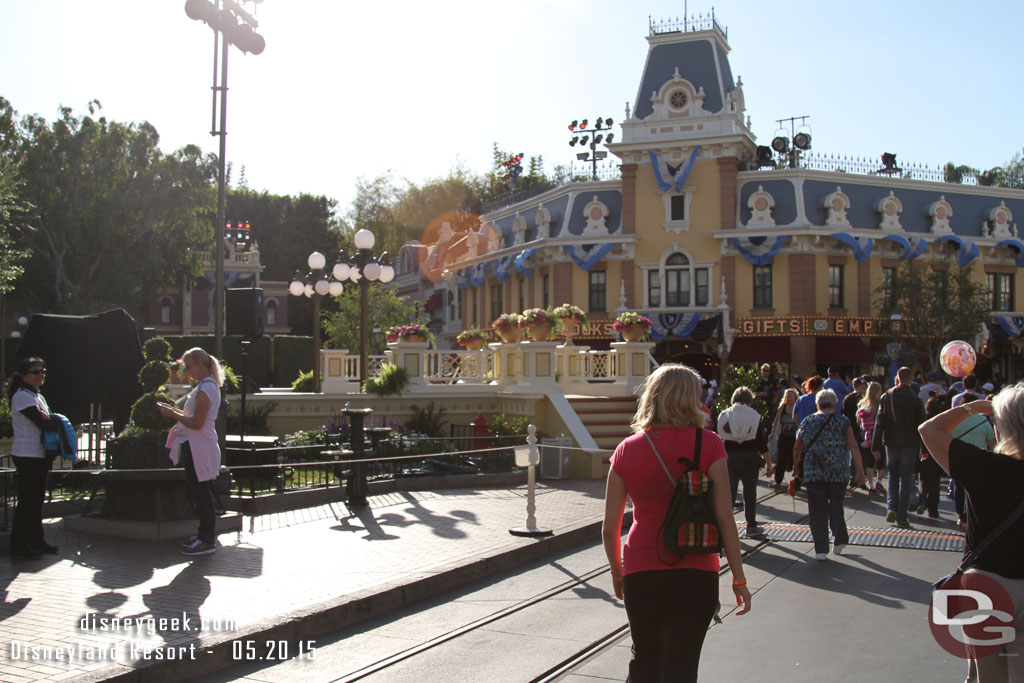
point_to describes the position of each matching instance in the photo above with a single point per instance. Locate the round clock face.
(677, 99)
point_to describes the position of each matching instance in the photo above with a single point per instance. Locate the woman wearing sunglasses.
(30, 417)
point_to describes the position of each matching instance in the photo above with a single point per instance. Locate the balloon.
(957, 358)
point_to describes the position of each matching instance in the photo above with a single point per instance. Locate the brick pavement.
(287, 573)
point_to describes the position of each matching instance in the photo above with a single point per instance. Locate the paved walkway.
(320, 561)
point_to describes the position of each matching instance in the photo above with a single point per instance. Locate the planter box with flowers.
(539, 324)
(412, 334)
(569, 317)
(473, 340)
(509, 327)
(633, 326)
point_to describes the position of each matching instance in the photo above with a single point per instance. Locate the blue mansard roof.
(703, 62)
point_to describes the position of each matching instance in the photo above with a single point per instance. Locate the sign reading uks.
(819, 326)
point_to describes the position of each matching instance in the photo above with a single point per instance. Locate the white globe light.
(387, 273)
(296, 288)
(316, 260)
(353, 274)
(15, 334)
(22, 320)
(336, 288)
(372, 271)
(340, 271)
(322, 287)
(308, 290)
(364, 239)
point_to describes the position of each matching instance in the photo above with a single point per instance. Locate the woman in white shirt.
(30, 417)
(193, 442)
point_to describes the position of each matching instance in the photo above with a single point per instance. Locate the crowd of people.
(835, 438)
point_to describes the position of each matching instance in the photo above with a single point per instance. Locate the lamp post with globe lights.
(315, 284)
(367, 268)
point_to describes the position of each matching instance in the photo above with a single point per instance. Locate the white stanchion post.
(529, 457)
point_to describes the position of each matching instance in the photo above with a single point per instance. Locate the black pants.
(931, 472)
(825, 509)
(669, 612)
(784, 461)
(201, 493)
(744, 466)
(27, 530)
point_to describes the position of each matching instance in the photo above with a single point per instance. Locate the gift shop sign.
(820, 326)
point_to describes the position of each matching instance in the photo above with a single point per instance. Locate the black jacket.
(899, 414)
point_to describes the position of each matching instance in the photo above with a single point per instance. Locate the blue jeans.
(902, 462)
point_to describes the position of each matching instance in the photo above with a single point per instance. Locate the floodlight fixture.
(780, 144)
(802, 140)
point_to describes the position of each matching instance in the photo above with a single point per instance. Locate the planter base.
(148, 531)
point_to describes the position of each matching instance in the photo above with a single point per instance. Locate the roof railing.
(700, 22)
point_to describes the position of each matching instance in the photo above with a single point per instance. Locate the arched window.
(271, 313)
(165, 311)
(677, 280)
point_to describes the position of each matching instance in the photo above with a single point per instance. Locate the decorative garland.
(753, 248)
(861, 246)
(588, 255)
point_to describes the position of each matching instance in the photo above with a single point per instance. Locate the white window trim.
(666, 198)
(694, 266)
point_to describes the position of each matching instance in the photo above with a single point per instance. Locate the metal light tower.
(231, 25)
(581, 134)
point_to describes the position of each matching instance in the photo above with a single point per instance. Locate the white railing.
(599, 366)
(464, 367)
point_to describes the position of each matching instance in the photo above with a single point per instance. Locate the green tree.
(937, 303)
(373, 209)
(13, 208)
(1010, 174)
(115, 217)
(384, 308)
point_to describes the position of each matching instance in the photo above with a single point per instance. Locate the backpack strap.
(695, 464)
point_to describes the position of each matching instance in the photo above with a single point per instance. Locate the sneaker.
(753, 531)
(838, 548)
(200, 548)
(922, 506)
(933, 516)
(821, 557)
(903, 525)
(879, 488)
(190, 541)
(890, 517)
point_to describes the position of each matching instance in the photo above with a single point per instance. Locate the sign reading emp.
(817, 326)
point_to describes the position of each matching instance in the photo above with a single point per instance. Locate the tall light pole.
(581, 134)
(367, 268)
(314, 285)
(231, 25)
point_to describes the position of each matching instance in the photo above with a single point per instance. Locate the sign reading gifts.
(817, 326)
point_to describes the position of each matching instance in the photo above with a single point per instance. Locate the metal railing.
(701, 22)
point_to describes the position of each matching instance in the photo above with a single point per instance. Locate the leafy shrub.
(136, 449)
(304, 382)
(306, 437)
(153, 375)
(508, 425)
(146, 416)
(157, 348)
(739, 375)
(6, 429)
(231, 385)
(391, 379)
(255, 419)
(427, 420)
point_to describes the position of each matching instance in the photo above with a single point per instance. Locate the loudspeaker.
(245, 312)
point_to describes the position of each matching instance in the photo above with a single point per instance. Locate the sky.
(348, 90)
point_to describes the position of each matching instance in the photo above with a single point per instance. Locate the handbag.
(690, 525)
(807, 448)
(978, 549)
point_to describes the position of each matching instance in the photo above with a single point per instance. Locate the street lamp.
(581, 134)
(235, 26)
(365, 268)
(315, 284)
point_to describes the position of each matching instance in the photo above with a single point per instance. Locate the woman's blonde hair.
(198, 355)
(670, 398)
(1008, 414)
(786, 393)
(872, 396)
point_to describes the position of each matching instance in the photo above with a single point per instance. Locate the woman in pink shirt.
(670, 600)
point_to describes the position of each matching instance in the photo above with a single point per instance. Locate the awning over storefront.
(842, 350)
(435, 302)
(759, 350)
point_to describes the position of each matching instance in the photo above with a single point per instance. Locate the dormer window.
(678, 99)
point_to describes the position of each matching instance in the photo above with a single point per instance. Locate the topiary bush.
(304, 382)
(154, 375)
(157, 348)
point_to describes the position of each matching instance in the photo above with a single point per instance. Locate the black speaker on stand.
(245, 318)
